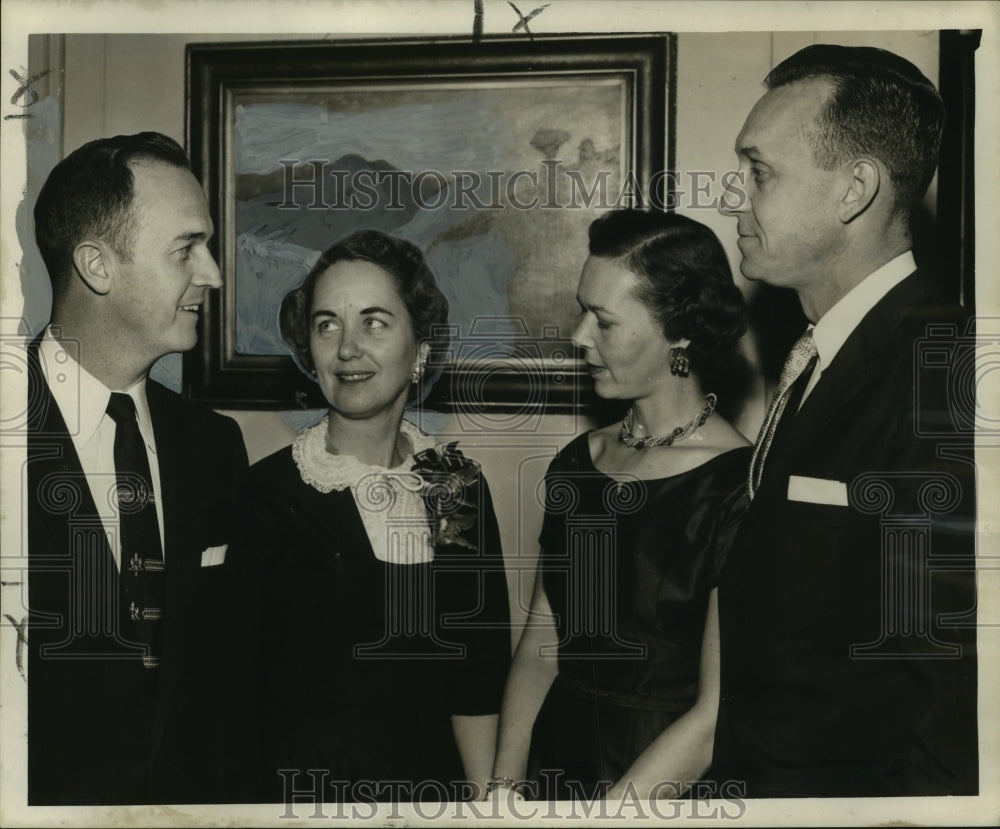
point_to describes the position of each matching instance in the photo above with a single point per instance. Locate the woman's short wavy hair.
(683, 275)
(403, 261)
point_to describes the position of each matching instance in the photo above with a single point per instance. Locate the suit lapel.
(60, 507)
(174, 455)
(836, 388)
(51, 443)
(839, 384)
(53, 463)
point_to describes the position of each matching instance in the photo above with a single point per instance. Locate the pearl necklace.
(680, 433)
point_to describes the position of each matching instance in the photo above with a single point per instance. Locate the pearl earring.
(417, 372)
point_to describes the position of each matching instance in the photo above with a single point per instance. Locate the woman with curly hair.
(375, 555)
(614, 685)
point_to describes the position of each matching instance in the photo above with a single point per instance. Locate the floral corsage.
(450, 493)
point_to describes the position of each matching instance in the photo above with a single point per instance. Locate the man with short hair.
(131, 489)
(847, 608)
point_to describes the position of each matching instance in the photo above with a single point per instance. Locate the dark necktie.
(139, 532)
(798, 367)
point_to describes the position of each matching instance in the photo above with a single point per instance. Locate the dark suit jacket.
(101, 728)
(840, 674)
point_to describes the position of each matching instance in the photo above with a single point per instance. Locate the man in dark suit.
(131, 489)
(847, 608)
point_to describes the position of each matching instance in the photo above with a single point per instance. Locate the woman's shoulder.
(271, 476)
(715, 448)
(724, 435)
(729, 465)
(719, 448)
(275, 464)
(730, 450)
(574, 455)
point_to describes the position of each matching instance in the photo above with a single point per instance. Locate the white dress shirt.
(83, 401)
(836, 325)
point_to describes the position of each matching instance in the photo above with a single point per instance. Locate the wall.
(115, 84)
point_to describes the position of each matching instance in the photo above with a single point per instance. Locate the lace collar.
(327, 472)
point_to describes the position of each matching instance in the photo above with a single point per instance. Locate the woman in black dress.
(375, 557)
(615, 680)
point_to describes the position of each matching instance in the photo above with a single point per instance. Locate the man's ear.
(93, 261)
(863, 183)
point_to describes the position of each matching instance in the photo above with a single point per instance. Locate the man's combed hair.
(88, 195)
(881, 105)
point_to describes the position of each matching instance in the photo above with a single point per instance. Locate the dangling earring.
(680, 364)
(417, 372)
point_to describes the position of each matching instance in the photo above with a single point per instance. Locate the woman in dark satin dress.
(614, 686)
(374, 557)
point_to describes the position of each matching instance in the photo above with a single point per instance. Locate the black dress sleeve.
(732, 506)
(472, 611)
(561, 492)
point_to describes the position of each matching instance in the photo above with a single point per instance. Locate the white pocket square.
(213, 556)
(817, 491)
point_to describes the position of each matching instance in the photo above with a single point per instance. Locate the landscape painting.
(494, 171)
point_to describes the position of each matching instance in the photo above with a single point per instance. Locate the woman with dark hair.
(614, 685)
(375, 553)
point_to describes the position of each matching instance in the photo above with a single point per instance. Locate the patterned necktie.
(139, 531)
(801, 357)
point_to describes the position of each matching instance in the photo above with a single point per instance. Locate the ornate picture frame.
(493, 156)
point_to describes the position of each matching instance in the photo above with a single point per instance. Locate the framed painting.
(492, 156)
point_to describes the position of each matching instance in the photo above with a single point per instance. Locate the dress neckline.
(327, 472)
(634, 479)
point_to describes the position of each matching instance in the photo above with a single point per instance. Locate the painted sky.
(492, 263)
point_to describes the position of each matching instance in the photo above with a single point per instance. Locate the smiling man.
(130, 488)
(847, 609)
